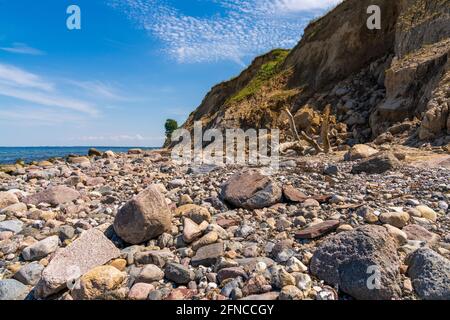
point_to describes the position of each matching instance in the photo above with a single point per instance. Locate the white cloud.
(12, 75)
(23, 85)
(49, 100)
(244, 28)
(22, 48)
(99, 89)
(30, 116)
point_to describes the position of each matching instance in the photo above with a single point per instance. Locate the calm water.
(28, 154)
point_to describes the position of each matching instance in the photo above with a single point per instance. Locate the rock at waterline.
(144, 217)
(250, 189)
(346, 259)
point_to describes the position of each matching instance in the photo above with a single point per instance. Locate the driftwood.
(302, 136)
(325, 130)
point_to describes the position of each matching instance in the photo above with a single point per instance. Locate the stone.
(208, 255)
(430, 274)
(360, 151)
(268, 296)
(98, 284)
(377, 164)
(397, 234)
(11, 289)
(191, 231)
(176, 183)
(135, 151)
(41, 249)
(195, 213)
(14, 226)
(291, 293)
(345, 259)
(143, 218)
(108, 155)
(150, 273)
(66, 232)
(317, 230)
(140, 291)
(54, 196)
(427, 213)
(250, 189)
(396, 219)
(7, 199)
(294, 195)
(90, 250)
(83, 161)
(282, 251)
(30, 273)
(15, 209)
(119, 264)
(231, 273)
(207, 239)
(295, 265)
(156, 257)
(416, 232)
(304, 282)
(178, 273)
(331, 170)
(94, 153)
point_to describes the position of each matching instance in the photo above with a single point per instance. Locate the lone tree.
(171, 125)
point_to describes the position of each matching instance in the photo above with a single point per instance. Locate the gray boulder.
(430, 274)
(352, 260)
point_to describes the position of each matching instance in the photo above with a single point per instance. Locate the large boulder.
(90, 250)
(250, 189)
(145, 217)
(54, 196)
(350, 259)
(377, 164)
(430, 274)
(360, 151)
(7, 199)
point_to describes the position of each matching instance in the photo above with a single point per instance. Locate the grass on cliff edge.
(264, 74)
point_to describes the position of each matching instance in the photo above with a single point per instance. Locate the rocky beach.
(137, 226)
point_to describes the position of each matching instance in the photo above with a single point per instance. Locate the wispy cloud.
(30, 116)
(22, 48)
(243, 28)
(14, 76)
(23, 85)
(99, 89)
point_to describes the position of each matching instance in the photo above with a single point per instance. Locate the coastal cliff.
(394, 80)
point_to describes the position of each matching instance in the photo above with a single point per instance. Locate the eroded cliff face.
(391, 80)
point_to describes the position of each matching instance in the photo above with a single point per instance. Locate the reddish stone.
(181, 294)
(226, 223)
(317, 230)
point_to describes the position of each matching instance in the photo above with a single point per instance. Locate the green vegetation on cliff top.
(264, 74)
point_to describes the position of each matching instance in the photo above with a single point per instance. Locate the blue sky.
(133, 64)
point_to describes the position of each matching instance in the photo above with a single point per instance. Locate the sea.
(9, 155)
